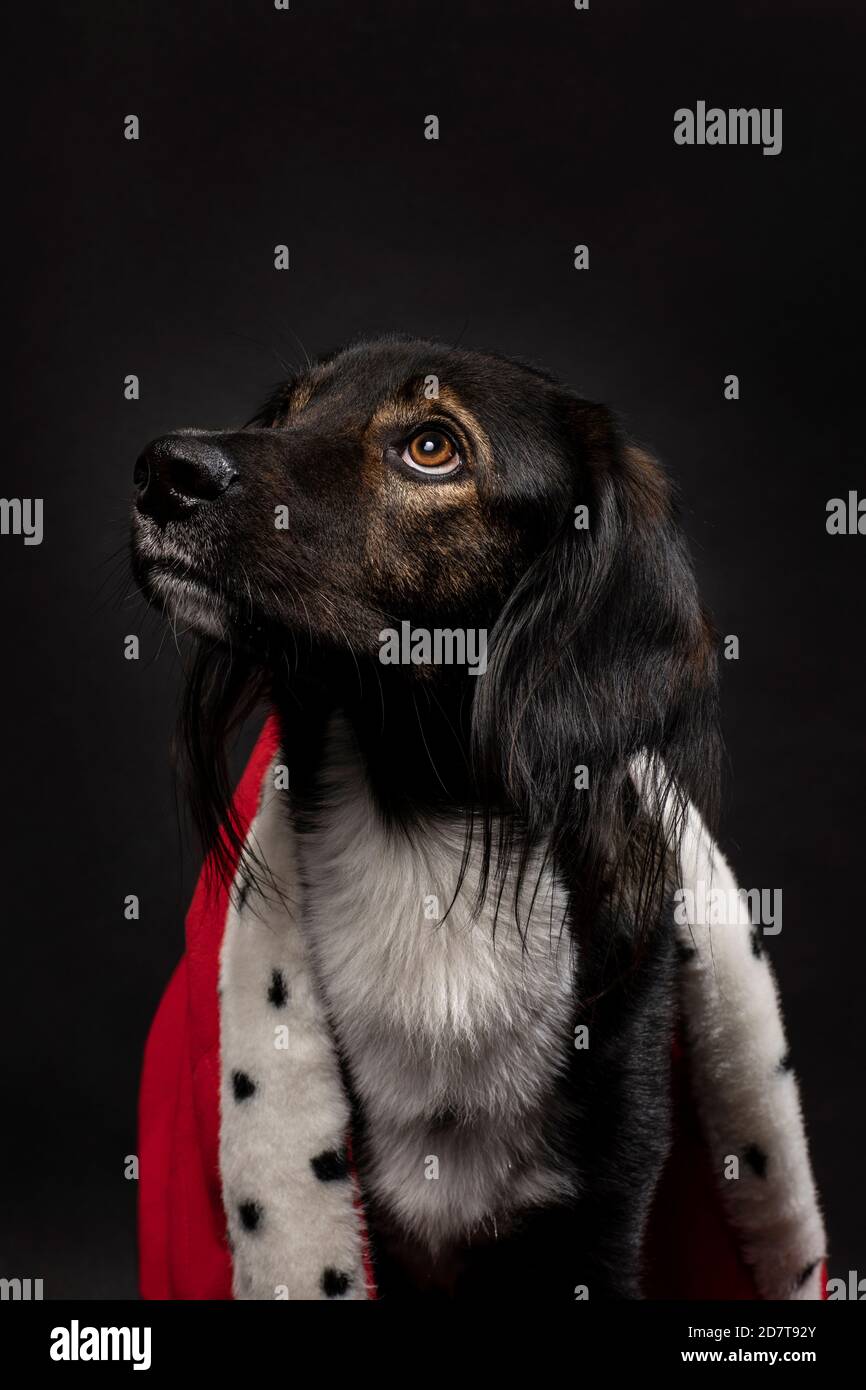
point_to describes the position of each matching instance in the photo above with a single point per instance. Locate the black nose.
(177, 472)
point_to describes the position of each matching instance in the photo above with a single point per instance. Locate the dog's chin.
(189, 603)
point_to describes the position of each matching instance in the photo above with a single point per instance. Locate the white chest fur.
(454, 1035)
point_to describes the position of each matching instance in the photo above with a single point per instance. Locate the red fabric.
(691, 1252)
(358, 1203)
(183, 1252)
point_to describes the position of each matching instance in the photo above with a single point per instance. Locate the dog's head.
(394, 481)
(402, 481)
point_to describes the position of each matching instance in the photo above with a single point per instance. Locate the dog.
(486, 886)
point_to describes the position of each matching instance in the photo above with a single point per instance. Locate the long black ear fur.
(602, 656)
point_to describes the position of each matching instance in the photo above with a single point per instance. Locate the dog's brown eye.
(431, 451)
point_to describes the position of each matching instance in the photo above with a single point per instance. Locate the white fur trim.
(746, 1102)
(298, 1109)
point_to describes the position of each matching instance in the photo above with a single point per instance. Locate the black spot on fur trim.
(242, 1085)
(756, 1159)
(244, 892)
(685, 953)
(446, 1118)
(785, 1063)
(757, 942)
(335, 1283)
(806, 1274)
(331, 1165)
(250, 1214)
(278, 992)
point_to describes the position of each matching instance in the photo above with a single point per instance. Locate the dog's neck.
(412, 734)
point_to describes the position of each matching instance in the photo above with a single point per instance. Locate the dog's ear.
(603, 657)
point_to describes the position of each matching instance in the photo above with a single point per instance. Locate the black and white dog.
(482, 877)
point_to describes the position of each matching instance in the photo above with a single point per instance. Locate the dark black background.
(156, 257)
